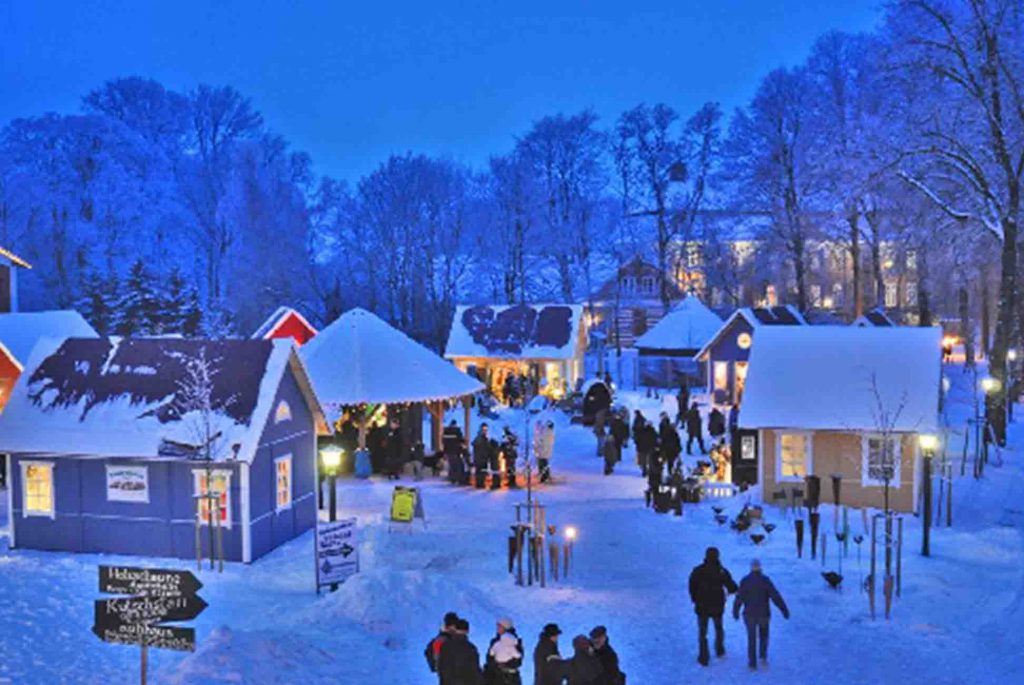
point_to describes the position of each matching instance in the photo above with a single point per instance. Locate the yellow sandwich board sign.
(406, 505)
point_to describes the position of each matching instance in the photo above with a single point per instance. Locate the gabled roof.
(689, 326)
(117, 397)
(758, 317)
(361, 359)
(280, 316)
(636, 267)
(825, 378)
(13, 258)
(876, 317)
(20, 332)
(524, 331)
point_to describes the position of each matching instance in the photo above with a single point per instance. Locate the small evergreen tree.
(174, 305)
(192, 319)
(138, 305)
(96, 303)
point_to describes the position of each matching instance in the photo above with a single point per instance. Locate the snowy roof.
(277, 318)
(876, 317)
(21, 331)
(361, 359)
(117, 397)
(758, 317)
(807, 377)
(689, 326)
(522, 331)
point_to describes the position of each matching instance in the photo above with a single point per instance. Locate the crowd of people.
(456, 660)
(487, 460)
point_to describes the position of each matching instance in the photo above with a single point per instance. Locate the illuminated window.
(881, 460)
(220, 484)
(911, 259)
(283, 412)
(891, 295)
(283, 468)
(771, 299)
(910, 294)
(794, 452)
(647, 285)
(37, 488)
(721, 375)
(837, 294)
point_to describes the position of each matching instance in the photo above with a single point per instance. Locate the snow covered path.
(960, 619)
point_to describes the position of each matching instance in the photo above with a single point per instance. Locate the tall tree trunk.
(924, 310)
(964, 307)
(985, 314)
(858, 295)
(995, 406)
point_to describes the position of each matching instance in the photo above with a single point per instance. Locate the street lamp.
(990, 385)
(330, 457)
(570, 538)
(928, 443)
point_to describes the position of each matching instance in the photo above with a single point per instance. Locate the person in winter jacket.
(433, 650)
(395, 450)
(504, 656)
(544, 447)
(610, 452)
(607, 656)
(459, 661)
(453, 442)
(584, 668)
(755, 596)
(694, 430)
(708, 584)
(481, 455)
(510, 453)
(600, 418)
(670, 444)
(646, 441)
(682, 402)
(716, 424)
(618, 427)
(495, 464)
(548, 666)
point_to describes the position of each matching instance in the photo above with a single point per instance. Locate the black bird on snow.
(832, 578)
(757, 538)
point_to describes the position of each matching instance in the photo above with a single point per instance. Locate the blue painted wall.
(726, 350)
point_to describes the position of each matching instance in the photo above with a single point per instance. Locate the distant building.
(106, 455)
(668, 351)
(629, 304)
(284, 323)
(844, 401)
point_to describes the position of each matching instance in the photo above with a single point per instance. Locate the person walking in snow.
(682, 402)
(545, 449)
(548, 666)
(654, 463)
(459, 661)
(694, 430)
(433, 650)
(607, 656)
(671, 447)
(481, 455)
(755, 596)
(510, 453)
(600, 417)
(504, 656)
(610, 452)
(453, 442)
(716, 424)
(618, 427)
(646, 441)
(709, 584)
(584, 668)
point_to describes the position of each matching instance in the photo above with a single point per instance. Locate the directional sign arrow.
(159, 637)
(347, 549)
(148, 609)
(150, 582)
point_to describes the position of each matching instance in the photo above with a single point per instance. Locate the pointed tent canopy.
(361, 359)
(689, 326)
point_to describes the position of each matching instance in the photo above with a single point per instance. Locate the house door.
(744, 457)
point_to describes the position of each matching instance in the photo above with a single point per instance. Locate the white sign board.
(337, 551)
(127, 483)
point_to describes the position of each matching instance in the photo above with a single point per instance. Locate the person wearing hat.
(548, 666)
(459, 661)
(708, 584)
(607, 656)
(584, 668)
(756, 595)
(504, 656)
(433, 650)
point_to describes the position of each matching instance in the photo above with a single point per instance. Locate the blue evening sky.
(351, 82)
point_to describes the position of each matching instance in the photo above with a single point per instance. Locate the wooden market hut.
(845, 401)
(545, 342)
(668, 352)
(359, 362)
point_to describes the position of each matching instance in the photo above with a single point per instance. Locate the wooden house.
(727, 355)
(10, 263)
(844, 401)
(629, 304)
(108, 451)
(668, 352)
(546, 342)
(286, 323)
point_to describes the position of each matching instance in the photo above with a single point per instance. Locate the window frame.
(865, 448)
(51, 467)
(715, 366)
(284, 458)
(808, 437)
(197, 474)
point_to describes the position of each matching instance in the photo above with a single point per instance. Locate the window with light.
(721, 375)
(794, 450)
(38, 489)
(219, 483)
(283, 467)
(881, 459)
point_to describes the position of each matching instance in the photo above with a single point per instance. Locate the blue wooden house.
(110, 441)
(727, 353)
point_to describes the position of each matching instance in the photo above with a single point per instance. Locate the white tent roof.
(360, 358)
(824, 378)
(21, 331)
(689, 326)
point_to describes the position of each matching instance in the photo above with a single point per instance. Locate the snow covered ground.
(960, 619)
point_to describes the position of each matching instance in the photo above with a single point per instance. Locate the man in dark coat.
(504, 656)
(716, 424)
(619, 430)
(584, 668)
(510, 452)
(548, 666)
(433, 650)
(454, 442)
(481, 455)
(670, 445)
(682, 403)
(646, 441)
(694, 430)
(755, 596)
(654, 462)
(459, 661)
(395, 450)
(607, 656)
(708, 584)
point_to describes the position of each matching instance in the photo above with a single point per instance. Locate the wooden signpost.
(158, 596)
(337, 553)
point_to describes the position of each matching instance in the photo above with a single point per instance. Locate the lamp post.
(1011, 359)
(928, 444)
(989, 385)
(570, 537)
(330, 456)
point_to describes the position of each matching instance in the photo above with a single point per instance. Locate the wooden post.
(199, 539)
(467, 406)
(872, 578)
(926, 508)
(143, 660)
